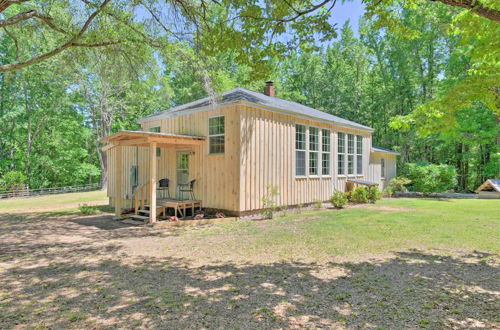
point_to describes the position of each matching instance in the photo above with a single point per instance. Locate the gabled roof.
(248, 96)
(490, 184)
(385, 151)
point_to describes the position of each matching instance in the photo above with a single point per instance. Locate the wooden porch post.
(152, 186)
(118, 181)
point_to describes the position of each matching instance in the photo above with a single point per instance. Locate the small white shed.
(489, 189)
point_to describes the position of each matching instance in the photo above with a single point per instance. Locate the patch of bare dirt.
(377, 207)
(80, 272)
(54, 207)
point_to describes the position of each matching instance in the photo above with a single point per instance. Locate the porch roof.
(144, 139)
(362, 182)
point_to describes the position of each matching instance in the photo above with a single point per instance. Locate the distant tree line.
(423, 74)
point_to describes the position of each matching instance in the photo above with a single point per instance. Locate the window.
(313, 163)
(341, 143)
(313, 150)
(313, 139)
(382, 168)
(359, 154)
(341, 153)
(350, 164)
(350, 144)
(216, 135)
(340, 164)
(350, 154)
(133, 176)
(156, 129)
(300, 150)
(325, 156)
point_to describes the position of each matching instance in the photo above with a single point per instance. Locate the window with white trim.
(382, 168)
(300, 150)
(325, 148)
(313, 150)
(359, 154)
(216, 130)
(340, 153)
(350, 154)
(156, 129)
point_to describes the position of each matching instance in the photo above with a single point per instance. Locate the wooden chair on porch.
(187, 188)
(163, 188)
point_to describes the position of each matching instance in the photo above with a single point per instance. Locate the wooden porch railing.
(141, 196)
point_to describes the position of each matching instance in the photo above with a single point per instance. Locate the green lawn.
(53, 202)
(390, 225)
(401, 263)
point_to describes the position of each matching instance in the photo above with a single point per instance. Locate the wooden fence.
(26, 192)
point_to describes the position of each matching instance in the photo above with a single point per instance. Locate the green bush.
(87, 209)
(318, 204)
(388, 192)
(348, 195)
(339, 199)
(373, 194)
(398, 183)
(13, 179)
(359, 195)
(268, 201)
(429, 178)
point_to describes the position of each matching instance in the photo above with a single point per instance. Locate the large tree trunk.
(459, 166)
(103, 158)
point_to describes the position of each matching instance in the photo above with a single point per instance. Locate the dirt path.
(54, 207)
(83, 272)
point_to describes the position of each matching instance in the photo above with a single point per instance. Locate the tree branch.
(69, 43)
(474, 6)
(94, 45)
(17, 18)
(4, 4)
(16, 43)
(27, 15)
(304, 12)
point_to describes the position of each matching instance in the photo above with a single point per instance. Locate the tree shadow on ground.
(76, 284)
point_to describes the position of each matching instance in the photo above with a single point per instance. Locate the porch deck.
(179, 206)
(163, 204)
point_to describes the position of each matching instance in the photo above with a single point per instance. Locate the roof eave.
(173, 114)
(385, 152)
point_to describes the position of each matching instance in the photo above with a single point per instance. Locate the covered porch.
(138, 160)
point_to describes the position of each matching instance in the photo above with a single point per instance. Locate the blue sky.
(351, 10)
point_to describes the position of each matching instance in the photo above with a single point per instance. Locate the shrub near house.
(430, 178)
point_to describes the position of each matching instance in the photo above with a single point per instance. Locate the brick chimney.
(269, 89)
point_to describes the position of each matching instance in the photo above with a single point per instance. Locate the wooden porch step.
(140, 217)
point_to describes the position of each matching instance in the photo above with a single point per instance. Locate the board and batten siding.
(134, 156)
(375, 168)
(259, 152)
(267, 157)
(217, 175)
